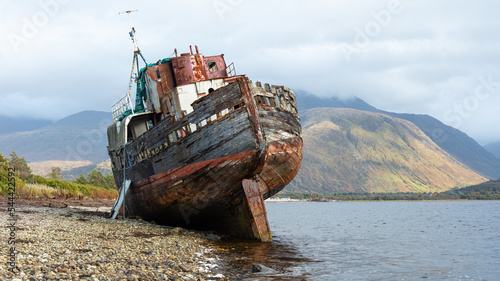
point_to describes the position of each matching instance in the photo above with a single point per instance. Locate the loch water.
(445, 240)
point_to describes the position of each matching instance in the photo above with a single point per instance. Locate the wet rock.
(213, 237)
(262, 268)
(178, 231)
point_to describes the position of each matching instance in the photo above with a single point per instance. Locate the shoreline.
(398, 200)
(298, 201)
(74, 240)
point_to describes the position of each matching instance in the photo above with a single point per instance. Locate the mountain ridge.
(493, 148)
(453, 141)
(12, 124)
(80, 136)
(349, 150)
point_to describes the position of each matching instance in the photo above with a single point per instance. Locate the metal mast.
(135, 60)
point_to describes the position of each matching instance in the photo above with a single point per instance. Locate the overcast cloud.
(439, 58)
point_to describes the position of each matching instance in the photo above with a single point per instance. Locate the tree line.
(24, 174)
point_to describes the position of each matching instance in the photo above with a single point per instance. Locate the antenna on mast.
(135, 60)
(132, 29)
(132, 34)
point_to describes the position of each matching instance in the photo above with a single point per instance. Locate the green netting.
(125, 114)
(141, 94)
(163, 61)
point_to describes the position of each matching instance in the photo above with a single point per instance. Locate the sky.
(441, 58)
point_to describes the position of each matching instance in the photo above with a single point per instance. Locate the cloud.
(409, 56)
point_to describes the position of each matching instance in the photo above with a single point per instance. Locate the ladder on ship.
(120, 199)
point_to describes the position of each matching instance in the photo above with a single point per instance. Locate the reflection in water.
(281, 256)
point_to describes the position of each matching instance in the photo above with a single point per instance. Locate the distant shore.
(289, 200)
(74, 239)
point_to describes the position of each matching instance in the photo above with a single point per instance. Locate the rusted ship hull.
(212, 168)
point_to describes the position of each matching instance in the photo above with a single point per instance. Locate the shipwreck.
(202, 147)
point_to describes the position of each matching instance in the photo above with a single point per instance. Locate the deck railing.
(121, 107)
(276, 96)
(231, 71)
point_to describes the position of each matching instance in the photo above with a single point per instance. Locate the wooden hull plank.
(254, 203)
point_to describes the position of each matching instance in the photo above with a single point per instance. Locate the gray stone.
(262, 268)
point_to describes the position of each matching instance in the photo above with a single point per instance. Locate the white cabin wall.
(215, 84)
(189, 93)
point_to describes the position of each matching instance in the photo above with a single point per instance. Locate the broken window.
(212, 66)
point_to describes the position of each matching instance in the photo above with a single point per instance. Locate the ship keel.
(254, 207)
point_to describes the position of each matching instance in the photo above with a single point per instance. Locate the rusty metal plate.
(257, 209)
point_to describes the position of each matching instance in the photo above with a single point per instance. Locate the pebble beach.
(64, 242)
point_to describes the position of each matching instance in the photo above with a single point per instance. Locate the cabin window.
(212, 66)
(210, 90)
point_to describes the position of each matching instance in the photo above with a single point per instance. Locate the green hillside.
(483, 191)
(348, 150)
(456, 143)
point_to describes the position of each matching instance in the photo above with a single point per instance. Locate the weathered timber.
(254, 203)
(213, 167)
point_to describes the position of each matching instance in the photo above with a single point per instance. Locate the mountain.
(493, 148)
(10, 125)
(348, 150)
(81, 136)
(306, 100)
(453, 141)
(458, 144)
